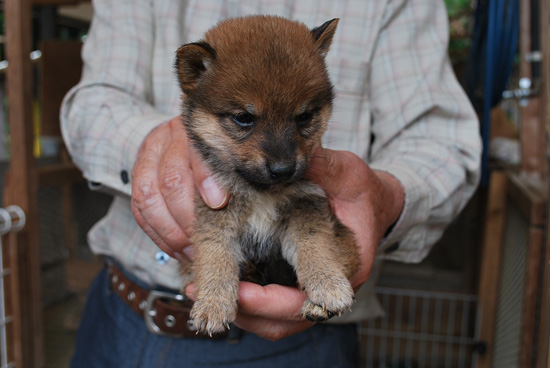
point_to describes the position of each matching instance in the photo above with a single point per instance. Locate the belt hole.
(114, 279)
(131, 296)
(190, 325)
(143, 304)
(170, 321)
(121, 286)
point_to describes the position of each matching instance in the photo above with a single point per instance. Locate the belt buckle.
(149, 311)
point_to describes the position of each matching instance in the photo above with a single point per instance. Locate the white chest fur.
(267, 212)
(263, 218)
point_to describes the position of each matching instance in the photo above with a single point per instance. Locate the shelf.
(58, 174)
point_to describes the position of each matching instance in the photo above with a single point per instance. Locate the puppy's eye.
(244, 119)
(304, 118)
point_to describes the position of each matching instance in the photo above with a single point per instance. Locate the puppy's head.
(257, 97)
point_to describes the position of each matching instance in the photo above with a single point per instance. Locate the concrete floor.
(60, 325)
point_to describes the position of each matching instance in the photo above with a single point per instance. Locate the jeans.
(112, 335)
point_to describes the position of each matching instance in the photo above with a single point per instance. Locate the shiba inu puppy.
(256, 102)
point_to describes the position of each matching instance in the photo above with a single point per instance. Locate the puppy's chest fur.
(263, 227)
(264, 220)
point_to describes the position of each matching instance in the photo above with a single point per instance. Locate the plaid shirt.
(398, 106)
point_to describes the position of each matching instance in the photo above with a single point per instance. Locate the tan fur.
(256, 102)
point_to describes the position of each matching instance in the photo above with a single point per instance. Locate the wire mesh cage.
(421, 329)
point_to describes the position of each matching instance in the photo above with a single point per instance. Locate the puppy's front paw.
(327, 299)
(212, 315)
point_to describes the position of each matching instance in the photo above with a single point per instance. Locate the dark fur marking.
(207, 47)
(274, 271)
(318, 31)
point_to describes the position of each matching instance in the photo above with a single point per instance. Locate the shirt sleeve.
(106, 116)
(425, 132)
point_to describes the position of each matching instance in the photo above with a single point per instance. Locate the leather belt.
(164, 313)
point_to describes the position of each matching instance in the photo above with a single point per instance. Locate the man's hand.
(164, 179)
(366, 201)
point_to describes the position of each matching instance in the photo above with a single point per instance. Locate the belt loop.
(109, 265)
(234, 335)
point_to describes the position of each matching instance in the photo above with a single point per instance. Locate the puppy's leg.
(186, 271)
(324, 255)
(216, 271)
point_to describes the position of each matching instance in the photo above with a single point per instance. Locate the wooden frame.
(490, 264)
(532, 131)
(531, 199)
(21, 189)
(22, 183)
(543, 360)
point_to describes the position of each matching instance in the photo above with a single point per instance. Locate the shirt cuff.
(124, 148)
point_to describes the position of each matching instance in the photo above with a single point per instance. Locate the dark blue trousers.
(111, 335)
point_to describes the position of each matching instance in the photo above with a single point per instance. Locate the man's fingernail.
(188, 252)
(180, 257)
(214, 196)
(190, 291)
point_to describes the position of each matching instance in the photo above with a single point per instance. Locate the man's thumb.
(211, 192)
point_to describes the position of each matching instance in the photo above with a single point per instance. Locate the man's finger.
(270, 301)
(340, 173)
(175, 179)
(272, 312)
(147, 200)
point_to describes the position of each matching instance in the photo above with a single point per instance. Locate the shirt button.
(162, 258)
(124, 176)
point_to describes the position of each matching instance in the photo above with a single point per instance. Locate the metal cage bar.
(421, 329)
(12, 218)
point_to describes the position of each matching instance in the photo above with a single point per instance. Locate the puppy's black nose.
(281, 169)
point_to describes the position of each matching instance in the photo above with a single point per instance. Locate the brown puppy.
(256, 101)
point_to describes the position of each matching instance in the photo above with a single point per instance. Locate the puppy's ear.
(192, 60)
(323, 35)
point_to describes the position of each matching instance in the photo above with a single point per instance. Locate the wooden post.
(21, 181)
(490, 267)
(543, 359)
(532, 130)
